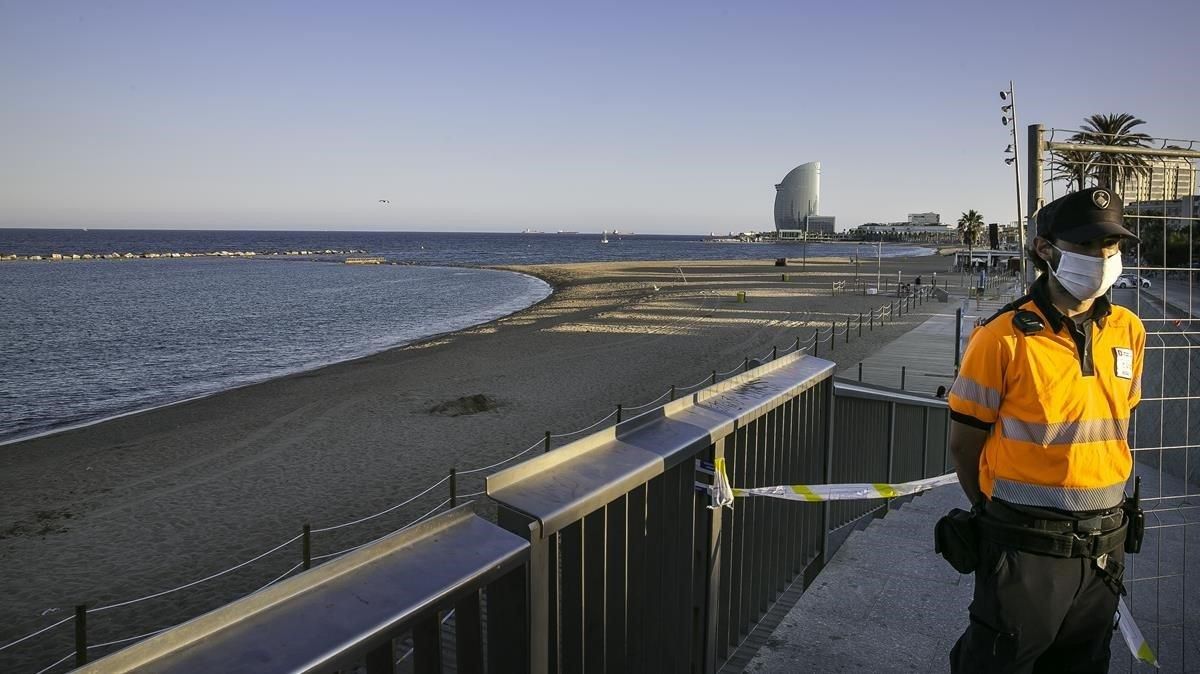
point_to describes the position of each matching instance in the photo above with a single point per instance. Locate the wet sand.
(147, 502)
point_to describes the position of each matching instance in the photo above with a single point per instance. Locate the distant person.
(917, 282)
(1040, 415)
(941, 392)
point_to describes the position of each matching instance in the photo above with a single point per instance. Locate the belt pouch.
(956, 540)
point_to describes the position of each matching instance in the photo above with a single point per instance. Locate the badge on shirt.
(1124, 363)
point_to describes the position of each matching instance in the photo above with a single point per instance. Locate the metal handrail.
(318, 619)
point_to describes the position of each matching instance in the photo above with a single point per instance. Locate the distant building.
(1175, 212)
(798, 196)
(903, 231)
(1169, 178)
(924, 219)
(813, 225)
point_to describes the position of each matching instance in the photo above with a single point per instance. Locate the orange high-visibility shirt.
(1056, 403)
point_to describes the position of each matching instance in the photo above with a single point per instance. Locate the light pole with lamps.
(1009, 119)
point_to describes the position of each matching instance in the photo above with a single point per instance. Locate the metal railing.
(617, 562)
(351, 611)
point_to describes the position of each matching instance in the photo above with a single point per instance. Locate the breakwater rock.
(66, 257)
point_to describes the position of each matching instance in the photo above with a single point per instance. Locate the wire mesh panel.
(1156, 178)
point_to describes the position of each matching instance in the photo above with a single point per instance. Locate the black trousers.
(1036, 613)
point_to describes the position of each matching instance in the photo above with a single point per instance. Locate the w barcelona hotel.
(798, 204)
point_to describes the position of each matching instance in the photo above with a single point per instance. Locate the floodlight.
(1007, 107)
(1010, 160)
(1004, 120)
(1004, 95)
(1009, 148)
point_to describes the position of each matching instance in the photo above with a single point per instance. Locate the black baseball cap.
(1086, 215)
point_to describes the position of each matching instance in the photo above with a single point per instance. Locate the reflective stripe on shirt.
(973, 391)
(1063, 498)
(1066, 432)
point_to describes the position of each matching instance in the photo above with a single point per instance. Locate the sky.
(652, 117)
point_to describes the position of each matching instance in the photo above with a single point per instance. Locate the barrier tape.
(723, 495)
(1133, 636)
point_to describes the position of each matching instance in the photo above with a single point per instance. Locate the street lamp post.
(878, 260)
(1010, 119)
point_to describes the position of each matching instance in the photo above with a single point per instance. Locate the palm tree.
(970, 224)
(1116, 130)
(1076, 167)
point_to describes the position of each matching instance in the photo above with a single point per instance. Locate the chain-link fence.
(1156, 178)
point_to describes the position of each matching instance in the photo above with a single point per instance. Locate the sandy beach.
(147, 502)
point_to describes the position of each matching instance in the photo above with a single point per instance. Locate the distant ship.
(531, 231)
(563, 231)
(604, 237)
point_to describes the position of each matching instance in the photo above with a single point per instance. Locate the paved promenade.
(888, 603)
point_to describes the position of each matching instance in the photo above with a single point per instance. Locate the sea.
(88, 340)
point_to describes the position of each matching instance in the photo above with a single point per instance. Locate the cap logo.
(1101, 199)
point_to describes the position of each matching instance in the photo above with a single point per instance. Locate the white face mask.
(1084, 276)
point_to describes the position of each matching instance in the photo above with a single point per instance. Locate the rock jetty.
(61, 257)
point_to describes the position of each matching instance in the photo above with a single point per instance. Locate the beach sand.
(147, 502)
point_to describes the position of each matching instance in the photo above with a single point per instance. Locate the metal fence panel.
(1157, 182)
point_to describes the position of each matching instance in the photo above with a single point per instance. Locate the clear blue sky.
(497, 116)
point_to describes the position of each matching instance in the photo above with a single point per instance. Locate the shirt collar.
(1040, 292)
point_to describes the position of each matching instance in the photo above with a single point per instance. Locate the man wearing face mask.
(1040, 412)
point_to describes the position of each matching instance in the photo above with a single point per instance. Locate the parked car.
(1130, 281)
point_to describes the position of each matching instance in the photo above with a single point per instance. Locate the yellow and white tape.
(1133, 636)
(815, 493)
(723, 493)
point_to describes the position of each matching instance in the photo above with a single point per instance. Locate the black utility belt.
(1091, 525)
(1055, 544)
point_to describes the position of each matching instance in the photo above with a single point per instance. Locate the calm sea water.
(83, 341)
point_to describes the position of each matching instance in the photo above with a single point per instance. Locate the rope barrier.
(58, 662)
(277, 548)
(638, 407)
(518, 454)
(34, 634)
(128, 639)
(729, 372)
(586, 428)
(363, 545)
(383, 512)
(279, 578)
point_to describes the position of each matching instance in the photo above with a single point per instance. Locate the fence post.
(618, 413)
(903, 372)
(774, 353)
(891, 449)
(453, 487)
(860, 370)
(716, 539)
(832, 335)
(81, 635)
(847, 329)
(547, 442)
(307, 558)
(816, 342)
(714, 376)
(827, 512)
(797, 342)
(872, 329)
(957, 337)
(860, 324)
(746, 364)
(672, 391)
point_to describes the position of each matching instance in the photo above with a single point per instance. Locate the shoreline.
(146, 502)
(299, 371)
